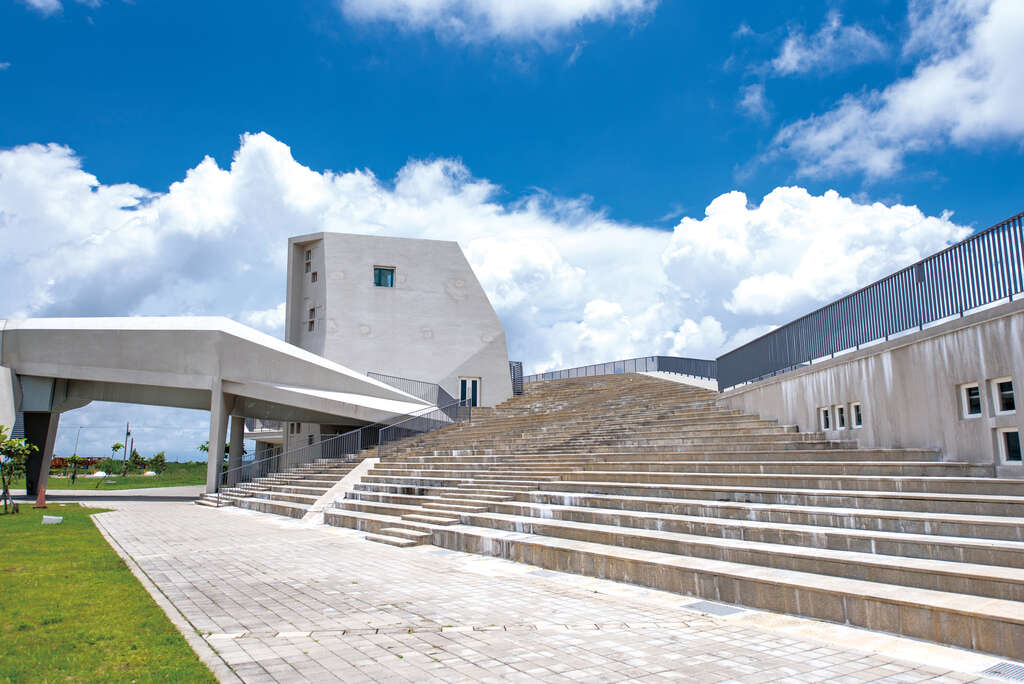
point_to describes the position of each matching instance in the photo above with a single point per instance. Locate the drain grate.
(1014, 671)
(712, 608)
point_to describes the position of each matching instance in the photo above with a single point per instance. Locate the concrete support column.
(219, 412)
(41, 432)
(237, 443)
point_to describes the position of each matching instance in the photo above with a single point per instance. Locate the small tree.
(136, 461)
(158, 463)
(74, 461)
(13, 453)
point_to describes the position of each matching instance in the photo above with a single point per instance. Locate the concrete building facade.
(955, 386)
(397, 306)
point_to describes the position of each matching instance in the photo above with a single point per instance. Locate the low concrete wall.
(910, 389)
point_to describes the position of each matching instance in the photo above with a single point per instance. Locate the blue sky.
(645, 120)
(626, 176)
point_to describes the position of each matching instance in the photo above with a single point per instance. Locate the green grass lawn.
(176, 475)
(71, 610)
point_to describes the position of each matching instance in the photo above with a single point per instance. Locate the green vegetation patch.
(71, 610)
(176, 475)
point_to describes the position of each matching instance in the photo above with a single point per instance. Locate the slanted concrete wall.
(910, 388)
(436, 324)
(8, 383)
(8, 402)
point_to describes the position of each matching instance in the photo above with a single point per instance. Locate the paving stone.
(310, 602)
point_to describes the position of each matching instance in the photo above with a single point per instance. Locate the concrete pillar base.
(41, 432)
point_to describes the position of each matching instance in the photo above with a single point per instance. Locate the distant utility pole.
(124, 458)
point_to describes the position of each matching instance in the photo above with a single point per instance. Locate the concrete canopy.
(212, 363)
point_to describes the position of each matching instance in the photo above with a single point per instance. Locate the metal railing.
(983, 269)
(427, 391)
(700, 368)
(443, 416)
(515, 370)
(342, 448)
(260, 425)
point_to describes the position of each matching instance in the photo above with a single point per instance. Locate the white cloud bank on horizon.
(214, 244)
(968, 88)
(474, 21)
(571, 285)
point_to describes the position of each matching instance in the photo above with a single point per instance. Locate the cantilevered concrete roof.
(180, 361)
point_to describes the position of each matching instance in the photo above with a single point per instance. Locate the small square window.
(309, 267)
(312, 277)
(826, 419)
(309, 254)
(383, 277)
(311, 325)
(856, 415)
(1009, 443)
(840, 417)
(970, 400)
(1002, 396)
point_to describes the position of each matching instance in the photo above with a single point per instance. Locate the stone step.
(291, 510)
(556, 467)
(939, 544)
(868, 519)
(902, 468)
(989, 625)
(400, 542)
(212, 501)
(991, 581)
(961, 549)
(273, 495)
(966, 504)
(416, 536)
(433, 519)
(881, 483)
(874, 455)
(454, 507)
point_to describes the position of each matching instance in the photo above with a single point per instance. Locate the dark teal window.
(383, 277)
(1011, 439)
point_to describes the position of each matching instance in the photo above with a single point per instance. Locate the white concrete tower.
(399, 306)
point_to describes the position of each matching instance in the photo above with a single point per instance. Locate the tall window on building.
(857, 415)
(1002, 396)
(826, 418)
(383, 276)
(469, 391)
(840, 417)
(311, 323)
(1010, 445)
(970, 400)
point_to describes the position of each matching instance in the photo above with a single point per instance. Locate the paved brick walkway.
(280, 600)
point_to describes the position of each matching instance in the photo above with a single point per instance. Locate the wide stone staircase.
(291, 492)
(643, 480)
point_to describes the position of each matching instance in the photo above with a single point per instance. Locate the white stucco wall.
(436, 324)
(910, 388)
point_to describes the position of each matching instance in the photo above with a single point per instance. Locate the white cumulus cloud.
(968, 88)
(473, 21)
(796, 250)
